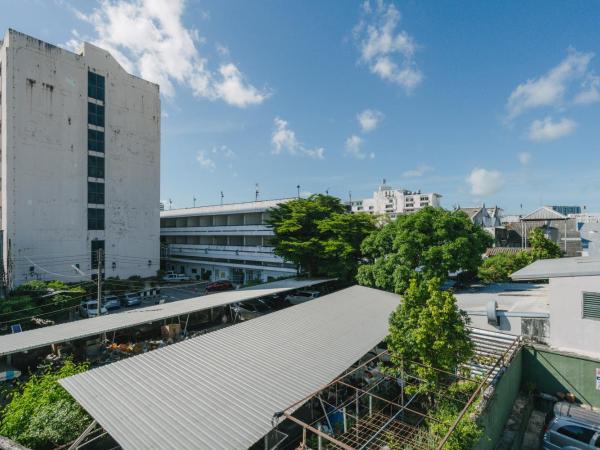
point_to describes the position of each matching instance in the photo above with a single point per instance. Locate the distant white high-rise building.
(80, 161)
(393, 202)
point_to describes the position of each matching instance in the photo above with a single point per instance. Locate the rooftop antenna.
(350, 196)
(222, 197)
(256, 192)
(194, 202)
(170, 204)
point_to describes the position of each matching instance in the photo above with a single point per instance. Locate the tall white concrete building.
(80, 161)
(393, 202)
(230, 241)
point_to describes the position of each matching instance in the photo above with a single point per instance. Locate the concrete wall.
(44, 163)
(498, 409)
(553, 372)
(569, 331)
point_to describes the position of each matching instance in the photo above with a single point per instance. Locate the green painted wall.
(500, 406)
(553, 372)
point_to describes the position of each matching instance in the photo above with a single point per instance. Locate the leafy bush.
(41, 414)
(498, 268)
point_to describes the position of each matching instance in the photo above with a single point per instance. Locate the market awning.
(64, 332)
(220, 390)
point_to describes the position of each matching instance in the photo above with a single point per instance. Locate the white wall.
(44, 162)
(568, 330)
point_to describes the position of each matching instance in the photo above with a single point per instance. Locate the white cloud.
(354, 148)
(235, 90)
(590, 92)
(206, 162)
(208, 159)
(388, 52)
(548, 130)
(550, 88)
(148, 38)
(524, 158)
(418, 171)
(369, 120)
(485, 182)
(284, 139)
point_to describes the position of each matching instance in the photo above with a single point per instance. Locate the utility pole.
(222, 197)
(194, 202)
(298, 187)
(99, 281)
(256, 192)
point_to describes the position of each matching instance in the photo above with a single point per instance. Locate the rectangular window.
(591, 305)
(95, 86)
(95, 114)
(95, 193)
(96, 141)
(95, 167)
(97, 245)
(95, 219)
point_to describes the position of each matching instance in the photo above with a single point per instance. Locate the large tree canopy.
(431, 242)
(319, 235)
(428, 331)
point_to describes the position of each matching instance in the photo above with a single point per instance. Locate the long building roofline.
(225, 208)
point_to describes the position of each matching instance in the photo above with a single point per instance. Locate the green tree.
(432, 242)
(428, 331)
(542, 247)
(498, 268)
(319, 235)
(41, 414)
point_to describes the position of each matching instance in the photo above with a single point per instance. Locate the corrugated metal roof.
(560, 267)
(220, 390)
(544, 213)
(78, 329)
(489, 347)
(493, 251)
(228, 208)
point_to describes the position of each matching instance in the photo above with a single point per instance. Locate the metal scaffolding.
(370, 408)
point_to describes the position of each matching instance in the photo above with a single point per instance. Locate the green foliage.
(319, 235)
(41, 414)
(15, 308)
(467, 432)
(428, 330)
(542, 247)
(498, 268)
(433, 241)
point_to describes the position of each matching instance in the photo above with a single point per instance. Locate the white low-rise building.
(393, 202)
(231, 241)
(573, 299)
(80, 162)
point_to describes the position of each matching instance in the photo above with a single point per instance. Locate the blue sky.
(494, 102)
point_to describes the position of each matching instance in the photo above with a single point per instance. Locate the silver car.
(572, 427)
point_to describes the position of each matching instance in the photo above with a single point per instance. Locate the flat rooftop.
(514, 298)
(543, 269)
(227, 208)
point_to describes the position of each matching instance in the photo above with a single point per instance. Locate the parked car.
(276, 302)
(111, 302)
(570, 426)
(89, 308)
(250, 309)
(301, 297)
(221, 285)
(131, 299)
(176, 277)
